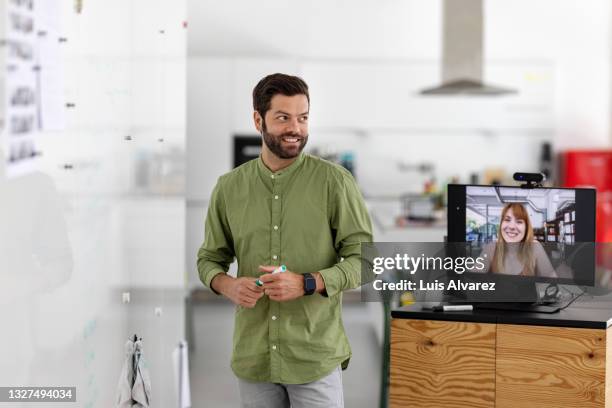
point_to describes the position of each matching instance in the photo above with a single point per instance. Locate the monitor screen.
(526, 232)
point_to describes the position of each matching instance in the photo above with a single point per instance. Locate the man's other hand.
(243, 291)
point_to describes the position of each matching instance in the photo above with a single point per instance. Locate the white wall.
(573, 36)
(576, 36)
(353, 55)
(316, 29)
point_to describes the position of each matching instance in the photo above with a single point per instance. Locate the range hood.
(462, 52)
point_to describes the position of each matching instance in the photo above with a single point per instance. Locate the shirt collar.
(284, 172)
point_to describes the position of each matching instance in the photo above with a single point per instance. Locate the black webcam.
(531, 180)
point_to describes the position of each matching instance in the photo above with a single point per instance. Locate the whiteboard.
(102, 214)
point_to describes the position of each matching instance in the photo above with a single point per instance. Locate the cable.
(571, 301)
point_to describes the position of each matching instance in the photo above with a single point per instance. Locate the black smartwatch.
(310, 284)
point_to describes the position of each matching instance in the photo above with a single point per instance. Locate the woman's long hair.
(525, 250)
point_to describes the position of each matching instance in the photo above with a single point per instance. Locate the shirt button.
(274, 347)
(272, 176)
(276, 227)
(276, 197)
(273, 317)
(274, 256)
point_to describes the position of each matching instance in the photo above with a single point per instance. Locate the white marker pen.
(280, 269)
(453, 308)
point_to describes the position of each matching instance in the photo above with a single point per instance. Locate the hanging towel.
(180, 358)
(126, 379)
(141, 391)
(134, 388)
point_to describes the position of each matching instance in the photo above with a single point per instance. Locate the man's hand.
(242, 291)
(282, 286)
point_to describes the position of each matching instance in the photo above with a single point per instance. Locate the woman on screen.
(516, 252)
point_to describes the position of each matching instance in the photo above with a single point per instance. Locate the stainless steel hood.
(462, 52)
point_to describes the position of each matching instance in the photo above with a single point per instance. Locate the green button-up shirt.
(309, 216)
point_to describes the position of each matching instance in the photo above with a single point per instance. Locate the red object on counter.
(591, 168)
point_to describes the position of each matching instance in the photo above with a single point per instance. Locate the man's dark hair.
(271, 85)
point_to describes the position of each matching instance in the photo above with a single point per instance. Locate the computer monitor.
(559, 223)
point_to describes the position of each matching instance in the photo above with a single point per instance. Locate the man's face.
(285, 126)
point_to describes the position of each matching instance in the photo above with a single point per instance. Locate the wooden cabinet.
(442, 364)
(436, 363)
(538, 367)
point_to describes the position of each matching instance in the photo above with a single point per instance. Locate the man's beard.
(274, 143)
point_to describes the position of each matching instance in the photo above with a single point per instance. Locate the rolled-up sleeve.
(217, 251)
(351, 225)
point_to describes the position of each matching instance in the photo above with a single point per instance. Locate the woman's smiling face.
(512, 228)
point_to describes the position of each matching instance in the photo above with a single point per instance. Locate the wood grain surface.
(608, 369)
(542, 367)
(442, 364)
